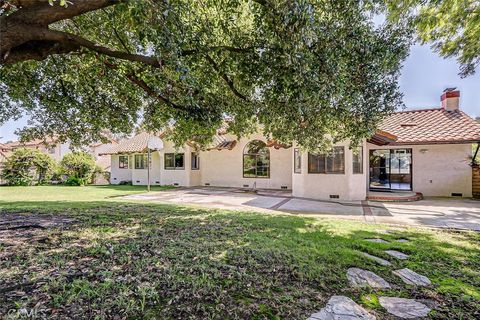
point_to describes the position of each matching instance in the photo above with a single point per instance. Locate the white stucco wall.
(347, 186)
(136, 176)
(440, 170)
(117, 175)
(140, 176)
(175, 177)
(437, 170)
(225, 167)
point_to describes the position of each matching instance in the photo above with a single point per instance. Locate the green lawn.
(136, 260)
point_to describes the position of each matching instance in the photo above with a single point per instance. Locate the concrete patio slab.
(432, 212)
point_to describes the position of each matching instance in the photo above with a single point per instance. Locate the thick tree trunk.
(25, 34)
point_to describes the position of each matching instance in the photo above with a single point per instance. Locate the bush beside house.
(80, 168)
(26, 167)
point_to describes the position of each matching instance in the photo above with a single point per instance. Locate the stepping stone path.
(377, 240)
(404, 308)
(363, 278)
(397, 254)
(343, 308)
(340, 308)
(381, 261)
(410, 277)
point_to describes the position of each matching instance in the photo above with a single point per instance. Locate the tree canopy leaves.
(308, 71)
(451, 26)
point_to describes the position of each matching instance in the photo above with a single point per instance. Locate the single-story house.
(425, 151)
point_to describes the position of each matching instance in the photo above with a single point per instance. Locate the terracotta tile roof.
(381, 138)
(431, 126)
(277, 145)
(228, 145)
(222, 143)
(137, 143)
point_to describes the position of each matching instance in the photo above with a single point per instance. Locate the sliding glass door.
(391, 169)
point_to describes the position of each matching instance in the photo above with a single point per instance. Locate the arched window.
(256, 160)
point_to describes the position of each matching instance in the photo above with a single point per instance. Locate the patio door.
(390, 169)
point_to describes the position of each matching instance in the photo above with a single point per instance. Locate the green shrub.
(26, 167)
(78, 165)
(74, 181)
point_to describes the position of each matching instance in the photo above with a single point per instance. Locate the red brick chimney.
(450, 99)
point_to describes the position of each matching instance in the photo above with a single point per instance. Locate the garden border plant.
(27, 167)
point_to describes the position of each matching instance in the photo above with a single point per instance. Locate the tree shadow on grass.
(164, 261)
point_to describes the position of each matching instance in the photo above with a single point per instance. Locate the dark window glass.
(174, 161)
(179, 163)
(123, 162)
(358, 160)
(256, 160)
(297, 161)
(169, 161)
(140, 161)
(195, 161)
(332, 162)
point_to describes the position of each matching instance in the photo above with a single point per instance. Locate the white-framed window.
(174, 161)
(256, 160)
(195, 161)
(332, 162)
(140, 161)
(357, 161)
(123, 162)
(297, 161)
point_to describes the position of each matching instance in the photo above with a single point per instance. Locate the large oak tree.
(308, 71)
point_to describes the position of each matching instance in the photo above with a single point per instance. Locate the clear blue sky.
(424, 76)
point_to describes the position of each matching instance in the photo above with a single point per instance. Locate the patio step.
(394, 196)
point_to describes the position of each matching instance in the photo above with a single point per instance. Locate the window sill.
(328, 173)
(256, 177)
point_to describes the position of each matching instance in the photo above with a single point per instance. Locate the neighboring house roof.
(31, 143)
(431, 126)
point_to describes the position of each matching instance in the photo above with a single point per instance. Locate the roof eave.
(403, 143)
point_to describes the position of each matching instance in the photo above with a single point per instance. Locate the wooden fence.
(476, 181)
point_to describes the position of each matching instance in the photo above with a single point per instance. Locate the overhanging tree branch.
(133, 78)
(228, 81)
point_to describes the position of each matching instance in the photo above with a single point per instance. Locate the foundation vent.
(334, 196)
(157, 182)
(207, 184)
(175, 184)
(245, 185)
(457, 194)
(284, 187)
(138, 181)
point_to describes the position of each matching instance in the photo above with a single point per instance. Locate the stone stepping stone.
(364, 278)
(378, 260)
(397, 254)
(377, 240)
(404, 308)
(411, 277)
(342, 308)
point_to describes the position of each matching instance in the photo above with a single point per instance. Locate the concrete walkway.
(432, 212)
